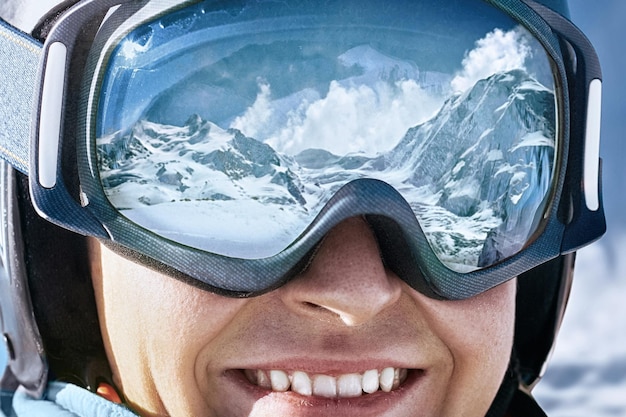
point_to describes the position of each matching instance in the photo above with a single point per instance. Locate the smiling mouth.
(329, 386)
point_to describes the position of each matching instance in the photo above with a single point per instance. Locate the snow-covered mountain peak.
(472, 174)
(372, 61)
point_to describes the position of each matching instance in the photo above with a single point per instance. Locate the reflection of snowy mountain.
(198, 161)
(478, 170)
(376, 66)
(491, 148)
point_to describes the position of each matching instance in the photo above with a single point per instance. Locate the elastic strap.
(19, 65)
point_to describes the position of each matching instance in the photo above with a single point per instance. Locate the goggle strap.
(19, 64)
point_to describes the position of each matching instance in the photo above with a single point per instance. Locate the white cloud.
(253, 122)
(498, 51)
(351, 118)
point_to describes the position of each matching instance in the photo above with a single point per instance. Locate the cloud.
(498, 51)
(350, 118)
(253, 121)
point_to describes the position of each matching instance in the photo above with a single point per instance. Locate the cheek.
(478, 333)
(153, 303)
(482, 326)
(155, 329)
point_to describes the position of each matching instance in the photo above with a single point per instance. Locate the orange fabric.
(106, 391)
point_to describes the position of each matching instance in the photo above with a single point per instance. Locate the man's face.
(181, 351)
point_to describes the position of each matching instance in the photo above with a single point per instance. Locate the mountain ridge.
(478, 156)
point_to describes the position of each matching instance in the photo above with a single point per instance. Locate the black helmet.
(47, 308)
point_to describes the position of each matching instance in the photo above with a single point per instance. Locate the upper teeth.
(345, 385)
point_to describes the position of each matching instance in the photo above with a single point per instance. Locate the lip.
(293, 404)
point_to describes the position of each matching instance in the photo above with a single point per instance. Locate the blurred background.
(586, 375)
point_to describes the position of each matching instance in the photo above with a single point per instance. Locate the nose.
(346, 278)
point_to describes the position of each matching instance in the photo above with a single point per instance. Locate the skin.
(173, 347)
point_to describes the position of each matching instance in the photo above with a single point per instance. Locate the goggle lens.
(230, 132)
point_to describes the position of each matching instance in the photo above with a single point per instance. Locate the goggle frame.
(573, 218)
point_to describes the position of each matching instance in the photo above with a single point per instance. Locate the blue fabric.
(19, 65)
(66, 400)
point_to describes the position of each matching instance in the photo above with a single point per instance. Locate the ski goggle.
(225, 139)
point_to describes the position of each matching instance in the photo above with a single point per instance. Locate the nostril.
(321, 312)
(311, 306)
